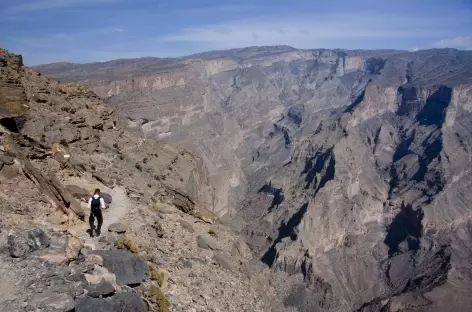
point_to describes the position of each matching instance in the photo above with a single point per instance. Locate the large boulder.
(89, 304)
(53, 255)
(128, 268)
(6, 159)
(62, 249)
(73, 247)
(78, 192)
(128, 302)
(83, 194)
(99, 275)
(122, 302)
(21, 243)
(119, 228)
(106, 197)
(223, 260)
(49, 301)
(206, 242)
(8, 167)
(104, 288)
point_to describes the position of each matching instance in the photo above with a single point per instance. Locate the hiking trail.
(115, 211)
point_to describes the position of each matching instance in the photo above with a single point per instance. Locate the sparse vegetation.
(139, 167)
(160, 279)
(163, 303)
(153, 270)
(126, 243)
(212, 232)
(145, 160)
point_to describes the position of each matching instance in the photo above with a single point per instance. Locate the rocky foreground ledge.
(57, 272)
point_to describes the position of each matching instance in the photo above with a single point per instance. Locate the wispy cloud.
(60, 39)
(309, 31)
(37, 5)
(92, 30)
(117, 30)
(460, 42)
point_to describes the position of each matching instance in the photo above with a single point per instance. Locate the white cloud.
(311, 30)
(117, 30)
(461, 42)
(35, 5)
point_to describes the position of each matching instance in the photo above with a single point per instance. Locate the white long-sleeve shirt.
(102, 202)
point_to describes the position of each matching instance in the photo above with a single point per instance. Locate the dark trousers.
(96, 214)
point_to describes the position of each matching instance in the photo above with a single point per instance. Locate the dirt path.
(117, 209)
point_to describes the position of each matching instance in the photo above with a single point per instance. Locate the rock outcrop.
(347, 170)
(58, 142)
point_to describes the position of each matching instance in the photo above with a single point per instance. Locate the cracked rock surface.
(347, 171)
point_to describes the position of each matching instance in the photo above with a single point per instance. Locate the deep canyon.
(347, 172)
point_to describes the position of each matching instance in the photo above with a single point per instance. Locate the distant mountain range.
(347, 171)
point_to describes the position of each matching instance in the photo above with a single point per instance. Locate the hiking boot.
(90, 232)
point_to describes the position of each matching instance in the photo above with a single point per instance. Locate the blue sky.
(47, 31)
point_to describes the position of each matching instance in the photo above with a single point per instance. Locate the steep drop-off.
(347, 170)
(159, 248)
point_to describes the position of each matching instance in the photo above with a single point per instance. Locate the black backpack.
(95, 203)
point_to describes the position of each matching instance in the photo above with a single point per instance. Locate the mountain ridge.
(229, 51)
(347, 172)
(159, 249)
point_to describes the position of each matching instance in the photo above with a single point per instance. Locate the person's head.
(97, 192)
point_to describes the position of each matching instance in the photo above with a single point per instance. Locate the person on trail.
(96, 204)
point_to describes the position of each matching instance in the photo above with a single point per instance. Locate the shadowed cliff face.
(349, 169)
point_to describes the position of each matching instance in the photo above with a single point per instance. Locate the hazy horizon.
(83, 31)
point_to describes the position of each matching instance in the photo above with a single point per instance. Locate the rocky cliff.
(160, 248)
(347, 169)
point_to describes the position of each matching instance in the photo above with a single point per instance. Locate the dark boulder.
(52, 302)
(128, 268)
(122, 302)
(89, 304)
(5, 159)
(128, 302)
(21, 243)
(106, 197)
(104, 288)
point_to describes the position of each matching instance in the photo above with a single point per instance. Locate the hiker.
(96, 204)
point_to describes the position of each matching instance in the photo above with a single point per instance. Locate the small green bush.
(163, 303)
(160, 279)
(126, 243)
(153, 270)
(212, 232)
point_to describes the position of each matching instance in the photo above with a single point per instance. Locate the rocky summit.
(255, 179)
(58, 142)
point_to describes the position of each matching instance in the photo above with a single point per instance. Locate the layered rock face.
(350, 169)
(159, 248)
